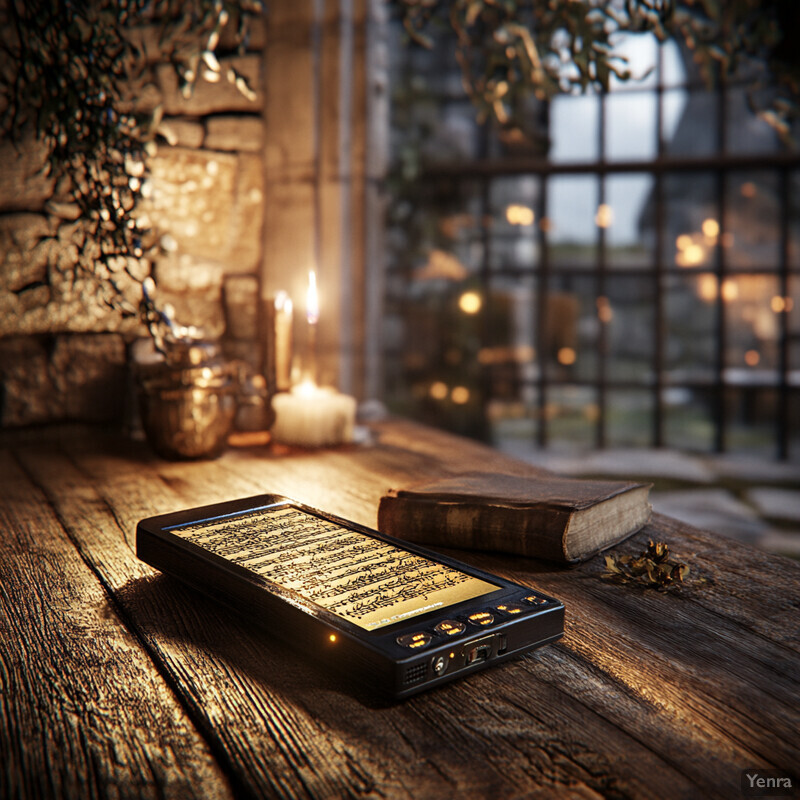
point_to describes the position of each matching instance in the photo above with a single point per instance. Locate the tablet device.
(386, 612)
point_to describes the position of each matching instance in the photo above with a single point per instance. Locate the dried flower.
(653, 568)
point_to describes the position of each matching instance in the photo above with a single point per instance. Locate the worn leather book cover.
(559, 519)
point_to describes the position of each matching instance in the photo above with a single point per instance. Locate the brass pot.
(187, 400)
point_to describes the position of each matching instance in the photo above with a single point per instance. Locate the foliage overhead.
(508, 49)
(70, 72)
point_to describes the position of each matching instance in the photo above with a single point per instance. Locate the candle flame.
(283, 302)
(306, 388)
(312, 299)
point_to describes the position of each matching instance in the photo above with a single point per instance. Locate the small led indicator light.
(332, 637)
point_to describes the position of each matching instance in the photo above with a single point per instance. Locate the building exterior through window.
(626, 275)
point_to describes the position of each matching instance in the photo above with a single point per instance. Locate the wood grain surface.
(117, 681)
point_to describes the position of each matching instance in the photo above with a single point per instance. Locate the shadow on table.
(205, 643)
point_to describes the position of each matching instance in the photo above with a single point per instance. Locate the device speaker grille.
(415, 674)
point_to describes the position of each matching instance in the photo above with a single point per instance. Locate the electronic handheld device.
(388, 612)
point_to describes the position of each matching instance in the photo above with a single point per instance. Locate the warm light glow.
(683, 241)
(312, 299)
(591, 411)
(567, 356)
(522, 354)
(460, 395)
(730, 290)
(692, 256)
(332, 637)
(604, 216)
(748, 190)
(306, 388)
(604, 311)
(438, 390)
(710, 228)
(707, 288)
(751, 358)
(520, 215)
(283, 302)
(779, 304)
(470, 302)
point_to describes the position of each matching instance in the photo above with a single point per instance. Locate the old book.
(559, 519)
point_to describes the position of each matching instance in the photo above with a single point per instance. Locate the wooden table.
(117, 681)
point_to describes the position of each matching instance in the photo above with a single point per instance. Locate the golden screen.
(361, 579)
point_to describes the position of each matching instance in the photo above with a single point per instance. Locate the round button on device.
(510, 608)
(450, 627)
(414, 640)
(481, 618)
(535, 600)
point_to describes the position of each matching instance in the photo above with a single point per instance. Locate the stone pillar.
(318, 170)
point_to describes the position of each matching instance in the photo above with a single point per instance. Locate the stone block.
(256, 39)
(213, 98)
(79, 377)
(237, 133)
(67, 302)
(247, 220)
(201, 309)
(23, 250)
(148, 37)
(183, 273)
(23, 186)
(89, 374)
(27, 394)
(191, 197)
(182, 132)
(241, 298)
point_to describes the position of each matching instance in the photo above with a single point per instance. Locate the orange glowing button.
(534, 600)
(510, 608)
(414, 640)
(450, 627)
(481, 618)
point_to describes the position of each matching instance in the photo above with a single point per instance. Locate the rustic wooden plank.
(649, 694)
(83, 711)
(224, 670)
(288, 726)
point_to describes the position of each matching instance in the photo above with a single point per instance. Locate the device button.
(481, 618)
(510, 608)
(535, 600)
(414, 640)
(439, 665)
(450, 627)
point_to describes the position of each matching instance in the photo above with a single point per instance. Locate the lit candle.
(283, 341)
(312, 317)
(310, 415)
(313, 416)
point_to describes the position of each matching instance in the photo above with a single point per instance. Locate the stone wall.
(240, 187)
(62, 349)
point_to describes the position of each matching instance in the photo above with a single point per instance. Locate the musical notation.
(360, 578)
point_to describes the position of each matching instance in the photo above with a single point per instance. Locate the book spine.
(532, 531)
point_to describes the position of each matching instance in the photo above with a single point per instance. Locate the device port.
(480, 652)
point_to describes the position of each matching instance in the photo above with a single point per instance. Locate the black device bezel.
(382, 642)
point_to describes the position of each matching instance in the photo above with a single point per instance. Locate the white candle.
(313, 416)
(312, 317)
(283, 341)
